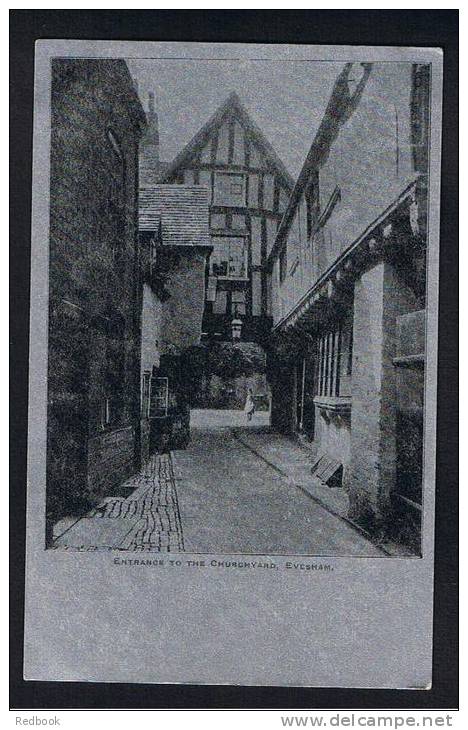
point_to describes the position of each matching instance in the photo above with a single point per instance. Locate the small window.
(217, 220)
(334, 361)
(268, 191)
(229, 257)
(238, 221)
(229, 189)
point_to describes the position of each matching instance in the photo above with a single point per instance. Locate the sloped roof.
(232, 105)
(339, 109)
(182, 211)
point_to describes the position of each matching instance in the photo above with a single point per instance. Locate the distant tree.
(225, 359)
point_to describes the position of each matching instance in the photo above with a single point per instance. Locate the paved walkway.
(237, 488)
(146, 521)
(233, 501)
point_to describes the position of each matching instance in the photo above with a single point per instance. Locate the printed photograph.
(237, 306)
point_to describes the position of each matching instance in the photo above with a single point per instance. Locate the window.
(145, 394)
(229, 257)
(238, 303)
(268, 191)
(253, 191)
(334, 362)
(256, 240)
(159, 397)
(238, 221)
(217, 220)
(229, 189)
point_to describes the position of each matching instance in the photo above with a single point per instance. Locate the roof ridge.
(216, 118)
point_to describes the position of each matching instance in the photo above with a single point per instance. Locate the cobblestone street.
(223, 494)
(147, 520)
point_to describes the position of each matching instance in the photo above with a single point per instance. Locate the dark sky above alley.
(285, 98)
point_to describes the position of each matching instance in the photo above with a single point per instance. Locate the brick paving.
(237, 489)
(146, 521)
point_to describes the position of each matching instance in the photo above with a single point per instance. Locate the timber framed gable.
(249, 189)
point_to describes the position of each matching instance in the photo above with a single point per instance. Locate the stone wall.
(111, 460)
(379, 298)
(96, 122)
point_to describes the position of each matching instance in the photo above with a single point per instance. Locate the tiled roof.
(182, 211)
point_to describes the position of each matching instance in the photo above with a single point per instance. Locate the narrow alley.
(219, 496)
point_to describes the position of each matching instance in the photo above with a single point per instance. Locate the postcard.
(234, 300)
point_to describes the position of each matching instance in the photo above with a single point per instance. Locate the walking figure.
(249, 407)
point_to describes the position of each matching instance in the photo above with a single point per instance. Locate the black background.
(437, 28)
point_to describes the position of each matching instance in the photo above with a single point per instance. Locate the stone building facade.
(175, 244)
(248, 189)
(348, 296)
(94, 342)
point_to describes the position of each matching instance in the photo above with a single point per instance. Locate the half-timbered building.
(249, 189)
(348, 297)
